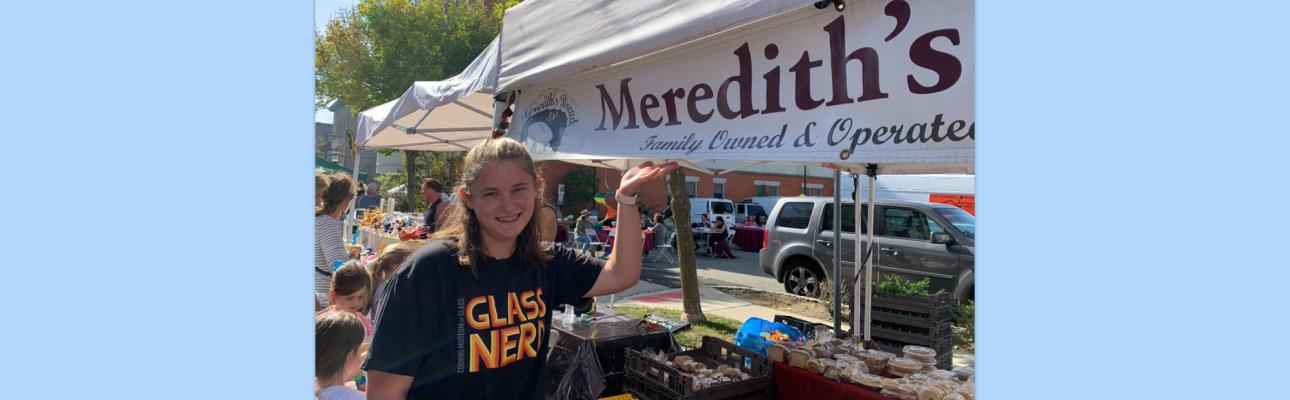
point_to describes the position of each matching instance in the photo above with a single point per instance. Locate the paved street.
(742, 271)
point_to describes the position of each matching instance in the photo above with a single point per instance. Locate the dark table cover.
(748, 238)
(793, 383)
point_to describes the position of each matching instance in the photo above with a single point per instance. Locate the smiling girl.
(467, 317)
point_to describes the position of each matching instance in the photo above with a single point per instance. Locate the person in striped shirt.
(329, 249)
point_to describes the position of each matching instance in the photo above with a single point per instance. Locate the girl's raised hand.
(644, 173)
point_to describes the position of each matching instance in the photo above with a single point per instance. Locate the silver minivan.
(915, 240)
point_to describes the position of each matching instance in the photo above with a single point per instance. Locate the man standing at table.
(371, 199)
(432, 192)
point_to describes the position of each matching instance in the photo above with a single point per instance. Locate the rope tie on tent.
(504, 123)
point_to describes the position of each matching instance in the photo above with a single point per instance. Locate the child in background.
(350, 289)
(337, 336)
(383, 267)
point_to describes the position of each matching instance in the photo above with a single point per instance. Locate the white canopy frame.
(600, 46)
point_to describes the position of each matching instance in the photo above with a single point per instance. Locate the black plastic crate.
(936, 308)
(605, 344)
(936, 333)
(649, 379)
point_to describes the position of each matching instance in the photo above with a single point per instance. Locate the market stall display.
(836, 369)
(717, 370)
(587, 359)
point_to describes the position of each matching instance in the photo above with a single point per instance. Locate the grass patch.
(692, 337)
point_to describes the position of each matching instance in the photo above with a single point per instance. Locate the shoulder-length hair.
(462, 228)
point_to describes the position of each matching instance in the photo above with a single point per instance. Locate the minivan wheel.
(802, 280)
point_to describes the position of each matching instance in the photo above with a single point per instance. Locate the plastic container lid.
(906, 364)
(919, 351)
(870, 380)
(941, 374)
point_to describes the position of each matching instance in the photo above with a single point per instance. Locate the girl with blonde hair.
(467, 316)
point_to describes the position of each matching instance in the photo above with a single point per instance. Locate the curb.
(752, 289)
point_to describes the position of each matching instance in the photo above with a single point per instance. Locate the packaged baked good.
(953, 396)
(846, 358)
(906, 365)
(931, 392)
(869, 380)
(945, 385)
(919, 352)
(727, 371)
(941, 374)
(777, 353)
(815, 365)
(832, 373)
(799, 357)
(908, 391)
(967, 390)
(821, 352)
(964, 373)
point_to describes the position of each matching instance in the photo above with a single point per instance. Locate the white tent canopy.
(879, 88)
(448, 115)
(547, 41)
(803, 86)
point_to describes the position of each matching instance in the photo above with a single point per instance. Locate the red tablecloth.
(748, 238)
(796, 383)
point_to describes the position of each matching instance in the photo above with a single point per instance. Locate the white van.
(714, 207)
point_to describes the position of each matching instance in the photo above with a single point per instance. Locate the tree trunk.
(413, 187)
(693, 310)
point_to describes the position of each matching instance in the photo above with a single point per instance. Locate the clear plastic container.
(919, 351)
(906, 365)
(870, 381)
(942, 374)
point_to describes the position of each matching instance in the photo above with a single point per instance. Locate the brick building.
(737, 186)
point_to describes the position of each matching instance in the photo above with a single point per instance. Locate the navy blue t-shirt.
(465, 338)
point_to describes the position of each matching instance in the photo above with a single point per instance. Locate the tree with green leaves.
(372, 53)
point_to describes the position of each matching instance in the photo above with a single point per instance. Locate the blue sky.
(324, 10)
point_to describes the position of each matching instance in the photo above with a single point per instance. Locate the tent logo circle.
(553, 111)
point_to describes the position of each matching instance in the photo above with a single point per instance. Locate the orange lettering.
(541, 304)
(527, 334)
(513, 309)
(541, 329)
(498, 321)
(478, 324)
(508, 343)
(526, 299)
(480, 351)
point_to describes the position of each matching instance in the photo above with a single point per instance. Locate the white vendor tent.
(449, 115)
(878, 88)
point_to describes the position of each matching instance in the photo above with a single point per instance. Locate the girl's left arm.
(624, 267)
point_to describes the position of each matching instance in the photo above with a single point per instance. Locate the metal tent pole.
(872, 171)
(837, 252)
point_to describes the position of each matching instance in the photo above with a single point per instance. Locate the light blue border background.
(1128, 193)
(1129, 174)
(159, 217)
